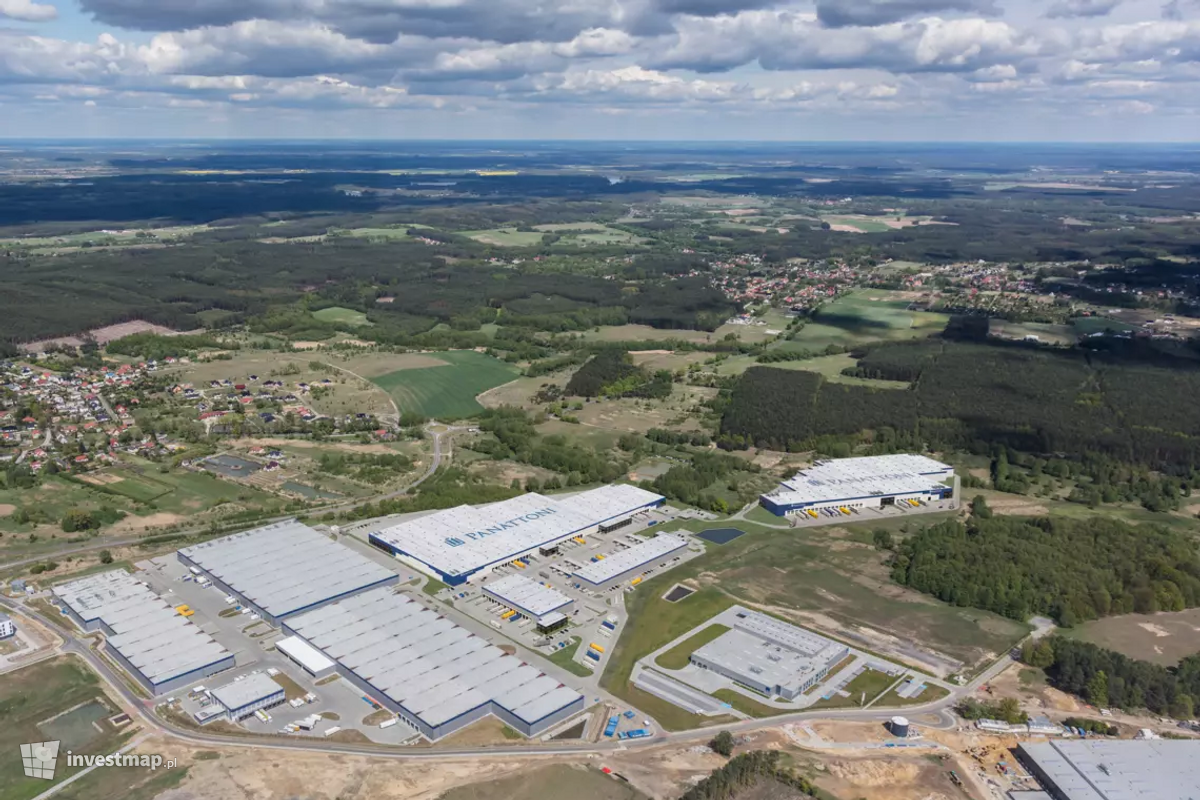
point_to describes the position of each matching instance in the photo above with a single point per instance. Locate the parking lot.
(253, 643)
(597, 617)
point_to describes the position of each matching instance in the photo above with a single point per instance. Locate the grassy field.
(447, 392)
(1051, 334)
(827, 578)
(653, 623)
(565, 658)
(869, 315)
(860, 691)
(831, 368)
(1159, 638)
(677, 657)
(33, 695)
(560, 780)
(505, 237)
(337, 315)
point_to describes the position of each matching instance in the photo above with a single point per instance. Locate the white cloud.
(1065, 9)
(27, 11)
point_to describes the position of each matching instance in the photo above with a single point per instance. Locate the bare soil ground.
(1160, 638)
(6, 509)
(156, 520)
(109, 333)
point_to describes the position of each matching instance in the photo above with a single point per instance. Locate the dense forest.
(612, 373)
(977, 396)
(1072, 570)
(72, 292)
(1105, 678)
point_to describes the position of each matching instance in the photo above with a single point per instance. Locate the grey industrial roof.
(748, 655)
(597, 572)
(249, 690)
(426, 663)
(868, 476)
(286, 567)
(527, 595)
(147, 631)
(781, 633)
(1120, 770)
(467, 538)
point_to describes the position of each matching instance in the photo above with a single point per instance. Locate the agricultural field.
(446, 392)
(862, 223)
(865, 316)
(337, 315)
(1159, 638)
(505, 237)
(829, 579)
(61, 700)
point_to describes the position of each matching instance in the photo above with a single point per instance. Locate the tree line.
(1072, 570)
(1106, 678)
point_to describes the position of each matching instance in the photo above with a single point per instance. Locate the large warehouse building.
(160, 649)
(437, 676)
(770, 656)
(1092, 769)
(629, 563)
(456, 544)
(284, 569)
(868, 482)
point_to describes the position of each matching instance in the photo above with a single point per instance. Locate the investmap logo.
(39, 759)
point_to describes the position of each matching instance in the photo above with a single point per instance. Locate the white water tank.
(899, 727)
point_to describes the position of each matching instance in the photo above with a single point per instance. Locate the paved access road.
(144, 709)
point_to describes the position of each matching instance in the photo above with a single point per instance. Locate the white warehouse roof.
(528, 595)
(426, 663)
(249, 690)
(286, 567)
(461, 540)
(304, 654)
(623, 561)
(869, 476)
(146, 630)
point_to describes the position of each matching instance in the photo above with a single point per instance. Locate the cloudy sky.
(1046, 70)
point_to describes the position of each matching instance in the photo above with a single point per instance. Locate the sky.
(787, 70)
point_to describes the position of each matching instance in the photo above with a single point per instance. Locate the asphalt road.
(144, 709)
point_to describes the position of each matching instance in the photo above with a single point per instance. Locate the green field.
(447, 392)
(505, 237)
(1088, 325)
(1158, 638)
(744, 704)
(29, 698)
(142, 488)
(860, 691)
(867, 315)
(336, 315)
(931, 695)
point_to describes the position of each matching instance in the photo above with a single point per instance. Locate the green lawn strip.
(748, 706)
(669, 715)
(565, 658)
(677, 657)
